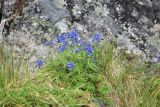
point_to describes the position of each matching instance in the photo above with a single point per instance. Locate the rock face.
(28, 24)
(129, 21)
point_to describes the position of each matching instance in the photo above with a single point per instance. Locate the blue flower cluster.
(61, 38)
(66, 38)
(49, 43)
(73, 36)
(158, 59)
(97, 37)
(70, 65)
(63, 47)
(88, 48)
(71, 40)
(39, 63)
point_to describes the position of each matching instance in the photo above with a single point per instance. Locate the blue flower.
(158, 58)
(88, 48)
(61, 38)
(49, 43)
(76, 50)
(62, 48)
(74, 43)
(86, 44)
(70, 65)
(80, 42)
(96, 37)
(39, 63)
(65, 44)
(73, 36)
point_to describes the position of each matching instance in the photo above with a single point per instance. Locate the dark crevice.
(70, 5)
(1, 8)
(7, 26)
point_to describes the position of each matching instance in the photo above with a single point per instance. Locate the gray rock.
(54, 9)
(29, 31)
(126, 21)
(156, 3)
(145, 2)
(63, 25)
(134, 13)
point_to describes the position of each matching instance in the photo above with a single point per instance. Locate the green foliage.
(130, 83)
(112, 80)
(86, 78)
(16, 87)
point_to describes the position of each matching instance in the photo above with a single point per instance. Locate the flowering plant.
(76, 64)
(70, 44)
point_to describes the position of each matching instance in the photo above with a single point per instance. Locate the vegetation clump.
(84, 73)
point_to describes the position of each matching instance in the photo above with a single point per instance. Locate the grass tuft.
(102, 79)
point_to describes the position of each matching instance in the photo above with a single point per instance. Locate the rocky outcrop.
(131, 22)
(28, 24)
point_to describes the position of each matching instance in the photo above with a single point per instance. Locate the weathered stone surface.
(54, 9)
(132, 23)
(128, 20)
(29, 30)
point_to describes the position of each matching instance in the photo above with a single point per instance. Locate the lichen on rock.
(132, 23)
